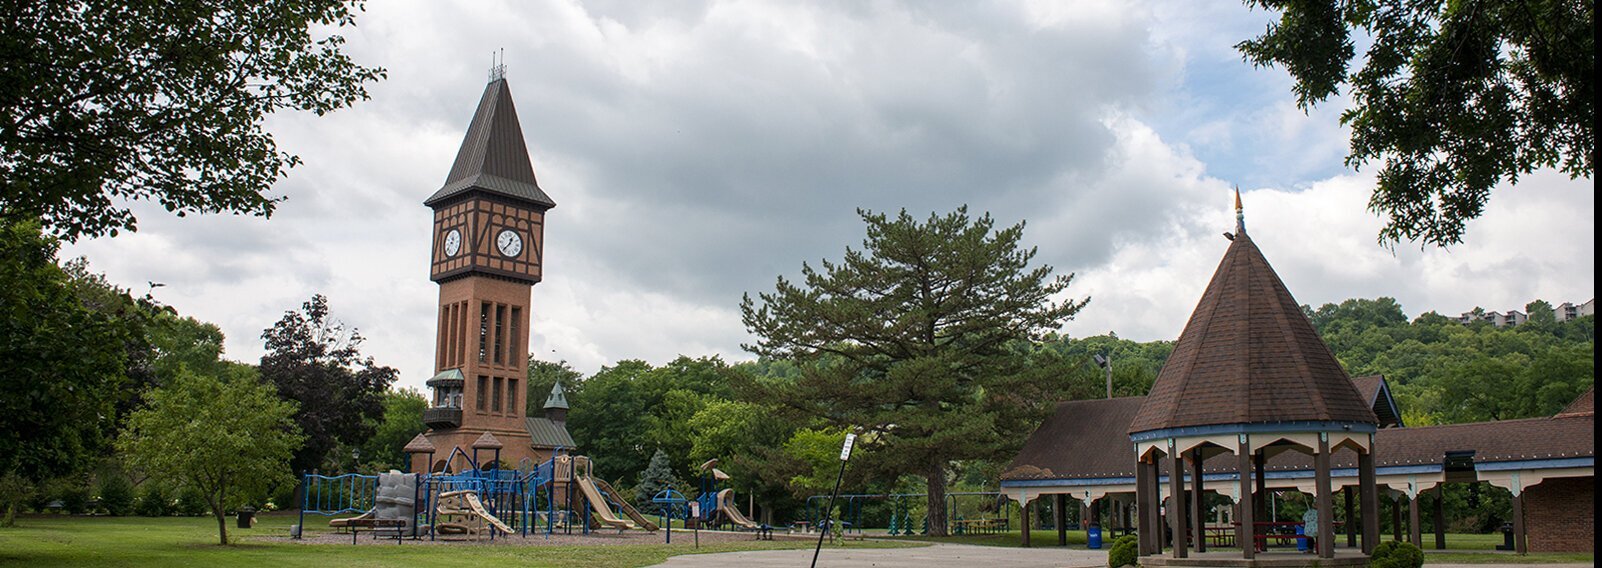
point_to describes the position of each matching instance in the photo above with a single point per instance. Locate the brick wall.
(1560, 515)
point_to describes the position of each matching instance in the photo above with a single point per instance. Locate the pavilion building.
(1251, 401)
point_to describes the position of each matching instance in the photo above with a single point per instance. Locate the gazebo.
(1249, 376)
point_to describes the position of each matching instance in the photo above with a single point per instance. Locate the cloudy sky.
(697, 151)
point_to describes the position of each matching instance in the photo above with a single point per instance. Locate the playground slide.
(726, 506)
(478, 509)
(345, 522)
(633, 514)
(603, 512)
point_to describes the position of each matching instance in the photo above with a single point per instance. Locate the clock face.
(453, 242)
(509, 243)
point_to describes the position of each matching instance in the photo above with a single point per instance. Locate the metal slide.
(726, 506)
(603, 512)
(628, 509)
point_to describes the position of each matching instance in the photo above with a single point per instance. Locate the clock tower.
(487, 253)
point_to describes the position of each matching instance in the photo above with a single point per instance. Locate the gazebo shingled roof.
(419, 445)
(1249, 355)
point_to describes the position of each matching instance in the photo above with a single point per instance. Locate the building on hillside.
(1252, 402)
(487, 253)
(1563, 312)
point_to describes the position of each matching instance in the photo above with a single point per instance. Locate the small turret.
(556, 404)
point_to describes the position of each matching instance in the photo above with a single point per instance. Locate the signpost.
(845, 454)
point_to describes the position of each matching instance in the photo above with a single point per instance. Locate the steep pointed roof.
(419, 445)
(558, 398)
(494, 157)
(1249, 355)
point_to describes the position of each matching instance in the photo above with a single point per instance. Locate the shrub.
(74, 498)
(1125, 551)
(116, 495)
(191, 503)
(1396, 554)
(153, 501)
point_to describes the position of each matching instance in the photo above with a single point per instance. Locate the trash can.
(1507, 537)
(1093, 537)
(1301, 543)
(247, 517)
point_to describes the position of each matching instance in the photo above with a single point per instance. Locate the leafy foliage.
(658, 476)
(316, 362)
(922, 339)
(403, 409)
(116, 494)
(1396, 554)
(64, 362)
(109, 102)
(154, 501)
(1452, 97)
(225, 438)
(1124, 552)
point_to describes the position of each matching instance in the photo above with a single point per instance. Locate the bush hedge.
(1396, 554)
(1125, 552)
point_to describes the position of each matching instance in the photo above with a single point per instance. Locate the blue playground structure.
(476, 501)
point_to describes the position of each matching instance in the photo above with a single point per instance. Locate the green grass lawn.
(136, 541)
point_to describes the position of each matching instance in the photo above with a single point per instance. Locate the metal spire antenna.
(497, 70)
(1240, 214)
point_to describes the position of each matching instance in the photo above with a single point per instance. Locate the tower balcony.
(442, 418)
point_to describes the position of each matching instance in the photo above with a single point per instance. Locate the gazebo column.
(1260, 498)
(1145, 531)
(1246, 535)
(1059, 513)
(1414, 530)
(1351, 515)
(1023, 520)
(1176, 491)
(1369, 494)
(1439, 517)
(1396, 518)
(1326, 517)
(1198, 507)
(1521, 540)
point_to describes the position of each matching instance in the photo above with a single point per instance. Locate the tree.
(315, 361)
(923, 339)
(403, 409)
(228, 438)
(64, 366)
(658, 475)
(108, 102)
(1452, 97)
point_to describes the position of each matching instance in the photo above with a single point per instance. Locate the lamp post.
(1105, 362)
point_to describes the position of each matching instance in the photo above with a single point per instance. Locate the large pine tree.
(922, 340)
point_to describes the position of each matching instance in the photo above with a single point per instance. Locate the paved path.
(934, 556)
(941, 556)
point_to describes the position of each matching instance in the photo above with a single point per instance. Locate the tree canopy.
(230, 438)
(64, 363)
(923, 338)
(1451, 98)
(314, 360)
(107, 102)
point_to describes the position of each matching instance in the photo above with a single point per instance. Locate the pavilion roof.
(1249, 355)
(1079, 441)
(1582, 406)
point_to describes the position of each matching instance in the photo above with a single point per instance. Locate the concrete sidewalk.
(933, 556)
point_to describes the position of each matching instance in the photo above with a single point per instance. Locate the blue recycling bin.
(1301, 541)
(1093, 537)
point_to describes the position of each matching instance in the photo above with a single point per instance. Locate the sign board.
(845, 450)
(695, 509)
